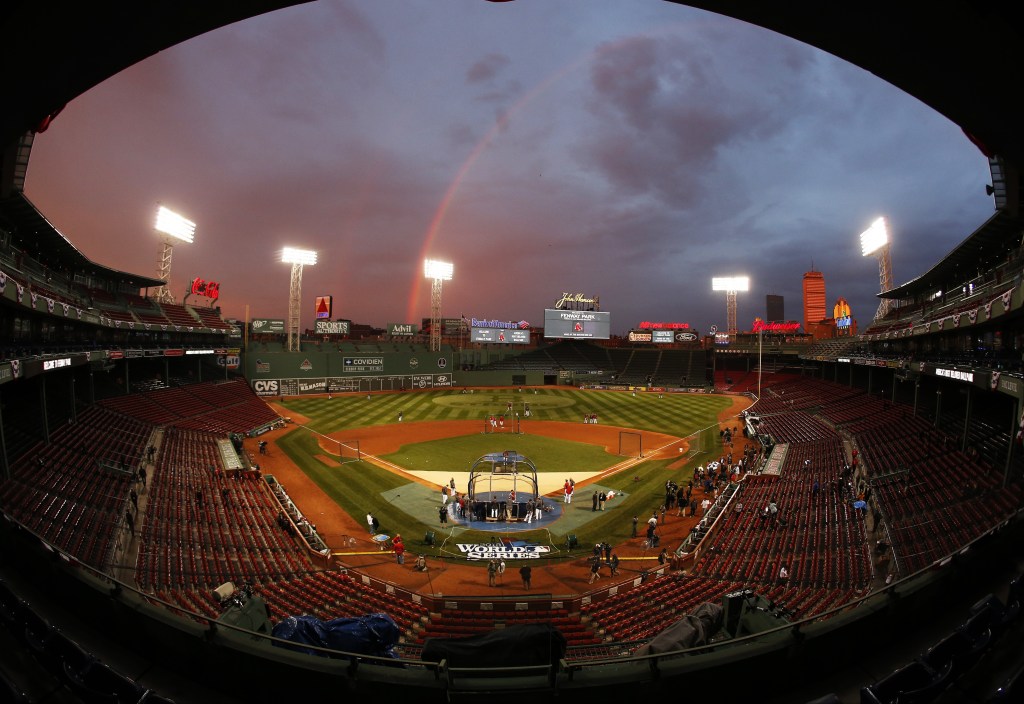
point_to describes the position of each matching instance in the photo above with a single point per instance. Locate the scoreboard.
(578, 324)
(513, 336)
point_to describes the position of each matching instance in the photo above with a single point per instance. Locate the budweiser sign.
(761, 326)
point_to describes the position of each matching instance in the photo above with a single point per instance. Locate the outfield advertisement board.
(500, 335)
(362, 365)
(577, 324)
(312, 386)
(272, 326)
(321, 385)
(401, 329)
(332, 327)
(266, 387)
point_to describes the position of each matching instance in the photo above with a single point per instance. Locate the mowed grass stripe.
(360, 487)
(458, 454)
(674, 414)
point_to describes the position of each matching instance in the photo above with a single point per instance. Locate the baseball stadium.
(203, 509)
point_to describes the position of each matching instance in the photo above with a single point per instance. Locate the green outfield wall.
(367, 370)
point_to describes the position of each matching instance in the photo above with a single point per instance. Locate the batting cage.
(631, 444)
(502, 486)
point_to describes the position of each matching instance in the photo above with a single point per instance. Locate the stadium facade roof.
(982, 251)
(55, 51)
(961, 58)
(32, 233)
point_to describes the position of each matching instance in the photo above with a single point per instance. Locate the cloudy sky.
(626, 149)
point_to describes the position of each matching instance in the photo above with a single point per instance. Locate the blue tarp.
(373, 634)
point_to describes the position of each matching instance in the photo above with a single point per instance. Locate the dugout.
(501, 484)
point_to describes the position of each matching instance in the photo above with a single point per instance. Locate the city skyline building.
(814, 298)
(775, 308)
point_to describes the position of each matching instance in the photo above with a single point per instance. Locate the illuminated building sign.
(844, 322)
(761, 326)
(503, 324)
(638, 336)
(210, 289)
(667, 337)
(648, 325)
(575, 300)
(49, 364)
(955, 374)
(324, 306)
(841, 309)
(721, 338)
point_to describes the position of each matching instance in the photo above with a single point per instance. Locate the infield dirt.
(453, 576)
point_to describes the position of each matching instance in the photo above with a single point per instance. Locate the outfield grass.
(459, 453)
(675, 414)
(359, 487)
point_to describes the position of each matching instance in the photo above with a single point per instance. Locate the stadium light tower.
(171, 227)
(437, 272)
(730, 284)
(297, 258)
(874, 241)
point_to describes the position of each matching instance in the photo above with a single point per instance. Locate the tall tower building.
(814, 298)
(775, 309)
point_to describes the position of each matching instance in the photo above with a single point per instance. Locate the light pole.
(171, 227)
(437, 272)
(874, 241)
(731, 284)
(297, 258)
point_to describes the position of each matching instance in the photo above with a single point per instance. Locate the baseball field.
(390, 453)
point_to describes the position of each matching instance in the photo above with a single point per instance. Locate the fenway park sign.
(482, 551)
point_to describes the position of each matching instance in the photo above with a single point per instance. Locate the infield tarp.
(373, 634)
(521, 645)
(693, 630)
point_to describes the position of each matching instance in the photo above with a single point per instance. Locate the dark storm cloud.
(485, 69)
(631, 153)
(667, 115)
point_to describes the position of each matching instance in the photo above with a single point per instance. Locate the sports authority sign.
(332, 327)
(480, 551)
(362, 365)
